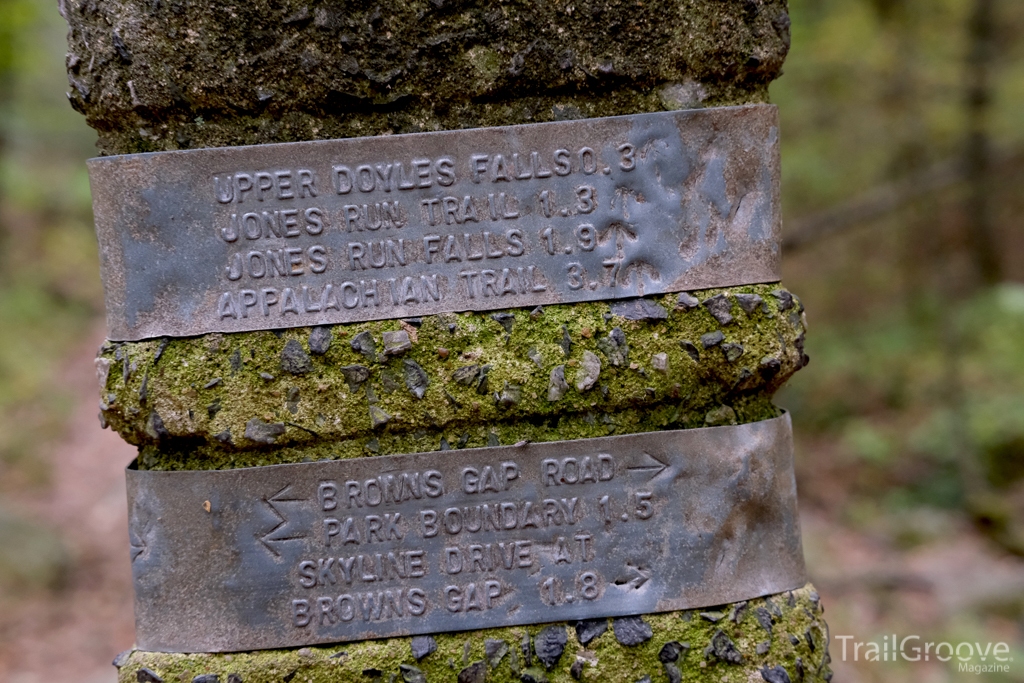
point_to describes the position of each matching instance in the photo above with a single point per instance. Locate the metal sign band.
(307, 233)
(291, 555)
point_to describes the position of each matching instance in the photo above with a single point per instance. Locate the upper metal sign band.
(307, 233)
(291, 555)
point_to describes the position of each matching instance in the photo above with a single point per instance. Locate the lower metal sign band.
(308, 233)
(333, 551)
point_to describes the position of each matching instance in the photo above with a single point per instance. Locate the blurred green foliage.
(865, 77)
(917, 372)
(17, 15)
(878, 394)
(49, 288)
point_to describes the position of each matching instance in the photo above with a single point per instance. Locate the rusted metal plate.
(323, 552)
(285, 235)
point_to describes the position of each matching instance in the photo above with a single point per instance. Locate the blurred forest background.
(903, 157)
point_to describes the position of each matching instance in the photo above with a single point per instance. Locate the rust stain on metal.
(308, 233)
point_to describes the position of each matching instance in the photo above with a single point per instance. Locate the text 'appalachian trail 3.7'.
(309, 233)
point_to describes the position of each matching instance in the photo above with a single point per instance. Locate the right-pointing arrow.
(648, 464)
(641, 576)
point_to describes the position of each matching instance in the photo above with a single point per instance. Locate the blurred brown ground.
(73, 632)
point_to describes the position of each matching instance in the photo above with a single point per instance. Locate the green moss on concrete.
(196, 398)
(798, 642)
(154, 76)
(592, 424)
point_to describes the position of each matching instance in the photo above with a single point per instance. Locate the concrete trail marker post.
(422, 392)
